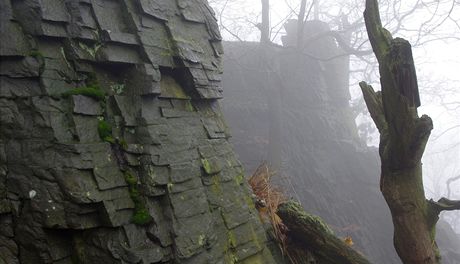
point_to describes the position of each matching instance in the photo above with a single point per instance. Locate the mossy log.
(310, 232)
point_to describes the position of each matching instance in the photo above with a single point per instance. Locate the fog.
(432, 27)
(130, 131)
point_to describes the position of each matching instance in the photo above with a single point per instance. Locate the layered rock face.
(112, 144)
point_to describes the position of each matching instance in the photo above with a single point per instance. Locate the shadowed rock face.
(112, 144)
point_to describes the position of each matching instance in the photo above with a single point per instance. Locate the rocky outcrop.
(112, 144)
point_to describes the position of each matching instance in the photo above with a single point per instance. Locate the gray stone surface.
(68, 196)
(86, 105)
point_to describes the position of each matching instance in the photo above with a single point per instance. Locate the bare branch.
(374, 104)
(379, 37)
(445, 204)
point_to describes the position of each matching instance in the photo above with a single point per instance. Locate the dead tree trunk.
(403, 137)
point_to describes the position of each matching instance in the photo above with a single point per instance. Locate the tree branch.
(379, 37)
(374, 105)
(423, 127)
(445, 204)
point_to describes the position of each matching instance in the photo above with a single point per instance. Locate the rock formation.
(112, 144)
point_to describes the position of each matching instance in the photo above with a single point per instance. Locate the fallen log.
(309, 233)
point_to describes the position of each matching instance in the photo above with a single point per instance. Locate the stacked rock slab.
(112, 144)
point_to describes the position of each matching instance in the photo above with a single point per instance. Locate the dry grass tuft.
(269, 197)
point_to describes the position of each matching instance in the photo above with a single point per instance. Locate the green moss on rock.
(189, 106)
(104, 129)
(130, 179)
(36, 54)
(141, 215)
(206, 166)
(211, 165)
(239, 179)
(231, 240)
(123, 144)
(216, 188)
(89, 91)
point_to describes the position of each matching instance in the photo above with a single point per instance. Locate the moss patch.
(215, 186)
(36, 54)
(92, 89)
(104, 129)
(123, 144)
(189, 106)
(239, 179)
(249, 202)
(130, 179)
(305, 217)
(231, 240)
(206, 166)
(211, 165)
(141, 215)
(89, 91)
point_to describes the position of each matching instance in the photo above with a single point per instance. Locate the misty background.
(433, 29)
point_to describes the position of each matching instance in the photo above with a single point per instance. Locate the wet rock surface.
(112, 144)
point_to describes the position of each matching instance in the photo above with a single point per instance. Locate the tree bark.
(403, 137)
(310, 232)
